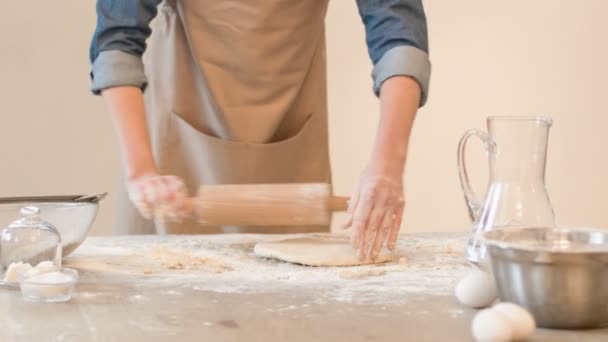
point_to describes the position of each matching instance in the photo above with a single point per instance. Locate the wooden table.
(212, 288)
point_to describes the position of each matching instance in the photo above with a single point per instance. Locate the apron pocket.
(210, 160)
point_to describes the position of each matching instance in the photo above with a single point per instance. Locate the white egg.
(490, 325)
(521, 321)
(476, 290)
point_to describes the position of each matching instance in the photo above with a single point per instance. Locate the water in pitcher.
(516, 196)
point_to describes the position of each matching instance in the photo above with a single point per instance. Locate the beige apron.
(236, 94)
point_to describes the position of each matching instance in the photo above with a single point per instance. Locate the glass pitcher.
(516, 196)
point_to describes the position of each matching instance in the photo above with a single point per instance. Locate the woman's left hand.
(375, 211)
(377, 204)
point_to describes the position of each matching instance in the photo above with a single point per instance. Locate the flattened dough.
(316, 251)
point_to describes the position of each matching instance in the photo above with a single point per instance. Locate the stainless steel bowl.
(73, 216)
(559, 275)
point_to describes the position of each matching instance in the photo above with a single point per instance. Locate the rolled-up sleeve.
(119, 42)
(397, 41)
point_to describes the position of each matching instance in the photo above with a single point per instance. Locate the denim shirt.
(396, 36)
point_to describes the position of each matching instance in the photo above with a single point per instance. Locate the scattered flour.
(361, 274)
(455, 313)
(138, 298)
(173, 293)
(429, 264)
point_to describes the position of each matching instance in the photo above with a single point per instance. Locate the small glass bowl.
(50, 287)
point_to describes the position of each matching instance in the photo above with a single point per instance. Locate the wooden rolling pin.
(266, 204)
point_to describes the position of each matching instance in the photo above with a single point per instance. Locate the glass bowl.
(50, 287)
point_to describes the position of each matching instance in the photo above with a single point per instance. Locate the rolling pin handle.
(338, 203)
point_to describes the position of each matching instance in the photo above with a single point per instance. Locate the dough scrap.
(15, 271)
(184, 260)
(317, 251)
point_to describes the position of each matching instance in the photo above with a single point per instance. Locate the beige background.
(489, 57)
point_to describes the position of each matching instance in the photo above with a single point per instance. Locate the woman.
(234, 91)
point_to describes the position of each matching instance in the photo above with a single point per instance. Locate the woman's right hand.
(163, 198)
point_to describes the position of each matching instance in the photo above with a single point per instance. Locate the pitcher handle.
(473, 204)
